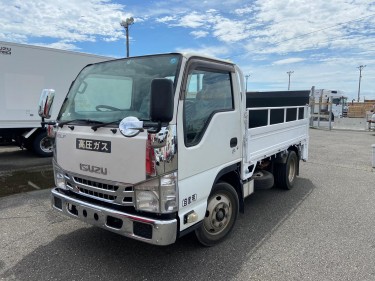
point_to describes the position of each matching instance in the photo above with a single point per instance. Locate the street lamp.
(289, 73)
(247, 77)
(360, 77)
(126, 23)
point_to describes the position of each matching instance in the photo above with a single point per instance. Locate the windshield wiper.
(103, 124)
(61, 124)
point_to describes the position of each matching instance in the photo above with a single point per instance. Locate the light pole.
(126, 23)
(247, 77)
(360, 77)
(289, 73)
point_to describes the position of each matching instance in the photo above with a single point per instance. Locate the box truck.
(24, 71)
(157, 146)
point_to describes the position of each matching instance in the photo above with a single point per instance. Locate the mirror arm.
(155, 130)
(44, 123)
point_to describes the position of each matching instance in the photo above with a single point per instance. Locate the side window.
(207, 93)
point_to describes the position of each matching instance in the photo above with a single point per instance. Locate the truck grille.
(101, 190)
(96, 184)
(97, 194)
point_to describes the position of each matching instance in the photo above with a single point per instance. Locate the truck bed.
(273, 129)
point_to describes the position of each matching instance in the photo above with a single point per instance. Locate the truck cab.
(330, 102)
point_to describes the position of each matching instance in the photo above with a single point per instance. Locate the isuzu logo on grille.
(92, 169)
(94, 145)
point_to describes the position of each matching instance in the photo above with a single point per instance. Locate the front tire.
(221, 215)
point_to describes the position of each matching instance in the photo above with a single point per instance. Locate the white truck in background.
(323, 98)
(24, 71)
(155, 147)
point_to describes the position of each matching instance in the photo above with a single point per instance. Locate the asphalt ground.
(323, 229)
(23, 171)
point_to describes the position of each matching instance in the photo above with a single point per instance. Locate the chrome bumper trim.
(164, 232)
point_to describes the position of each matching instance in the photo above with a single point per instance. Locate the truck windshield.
(340, 100)
(112, 90)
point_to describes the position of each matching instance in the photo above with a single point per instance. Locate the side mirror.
(45, 103)
(161, 101)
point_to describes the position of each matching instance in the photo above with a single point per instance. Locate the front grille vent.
(101, 190)
(96, 184)
(97, 194)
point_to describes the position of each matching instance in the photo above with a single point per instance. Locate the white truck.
(24, 71)
(330, 103)
(154, 147)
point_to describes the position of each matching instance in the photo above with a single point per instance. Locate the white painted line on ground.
(33, 185)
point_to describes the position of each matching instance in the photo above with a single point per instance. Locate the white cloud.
(211, 51)
(244, 11)
(230, 31)
(166, 19)
(68, 20)
(59, 45)
(199, 34)
(193, 20)
(224, 29)
(289, 61)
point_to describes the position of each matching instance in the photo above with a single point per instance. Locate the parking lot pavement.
(323, 229)
(330, 236)
(13, 158)
(23, 171)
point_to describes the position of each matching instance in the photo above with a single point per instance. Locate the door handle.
(233, 142)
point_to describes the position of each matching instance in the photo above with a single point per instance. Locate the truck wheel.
(221, 215)
(263, 179)
(285, 174)
(42, 145)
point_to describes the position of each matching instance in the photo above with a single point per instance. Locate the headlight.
(59, 176)
(147, 200)
(158, 195)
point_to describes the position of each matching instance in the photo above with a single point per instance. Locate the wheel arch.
(231, 175)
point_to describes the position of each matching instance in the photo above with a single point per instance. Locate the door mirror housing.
(161, 101)
(45, 103)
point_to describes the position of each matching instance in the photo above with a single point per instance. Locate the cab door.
(209, 132)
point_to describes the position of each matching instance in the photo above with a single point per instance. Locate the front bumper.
(157, 232)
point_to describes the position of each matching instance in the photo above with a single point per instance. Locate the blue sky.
(322, 41)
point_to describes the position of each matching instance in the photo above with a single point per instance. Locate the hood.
(104, 153)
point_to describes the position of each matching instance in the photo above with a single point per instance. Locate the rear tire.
(285, 173)
(221, 215)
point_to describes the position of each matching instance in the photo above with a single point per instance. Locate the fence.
(321, 115)
(361, 109)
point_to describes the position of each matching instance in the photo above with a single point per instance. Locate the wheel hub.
(292, 171)
(219, 213)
